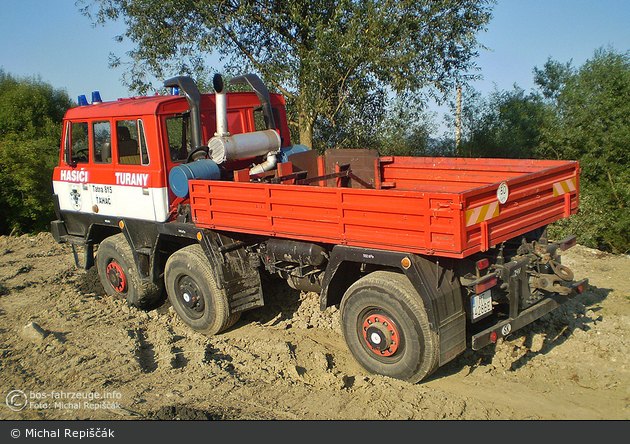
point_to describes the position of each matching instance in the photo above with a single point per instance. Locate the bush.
(26, 184)
(595, 225)
(31, 113)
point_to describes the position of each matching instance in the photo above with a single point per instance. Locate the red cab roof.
(153, 105)
(123, 107)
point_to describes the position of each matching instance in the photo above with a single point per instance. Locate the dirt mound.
(90, 284)
(287, 360)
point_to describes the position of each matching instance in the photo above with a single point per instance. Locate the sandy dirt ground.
(78, 354)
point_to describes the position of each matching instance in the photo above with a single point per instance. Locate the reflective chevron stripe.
(566, 186)
(484, 212)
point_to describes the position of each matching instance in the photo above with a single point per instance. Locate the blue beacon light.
(96, 97)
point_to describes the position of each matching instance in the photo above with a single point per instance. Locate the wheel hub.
(381, 335)
(191, 295)
(116, 276)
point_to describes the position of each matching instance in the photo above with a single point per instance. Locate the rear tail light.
(486, 284)
(483, 264)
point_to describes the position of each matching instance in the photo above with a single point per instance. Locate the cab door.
(137, 190)
(71, 179)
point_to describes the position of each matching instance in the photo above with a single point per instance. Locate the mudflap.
(237, 274)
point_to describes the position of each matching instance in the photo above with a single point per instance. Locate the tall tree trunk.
(306, 129)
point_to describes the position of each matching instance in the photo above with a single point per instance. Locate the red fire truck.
(197, 195)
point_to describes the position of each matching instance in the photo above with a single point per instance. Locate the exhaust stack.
(225, 147)
(262, 92)
(221, 103)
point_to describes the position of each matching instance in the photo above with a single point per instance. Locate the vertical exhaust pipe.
(225, 147)
(221, 104)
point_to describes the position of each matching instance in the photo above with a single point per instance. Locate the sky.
(51, 40)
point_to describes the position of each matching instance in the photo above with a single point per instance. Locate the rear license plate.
(481, 305)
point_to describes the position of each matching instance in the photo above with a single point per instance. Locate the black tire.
(119, 275)
(385, 326)
(192, 288)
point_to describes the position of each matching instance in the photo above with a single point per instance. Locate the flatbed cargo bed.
(450, 207)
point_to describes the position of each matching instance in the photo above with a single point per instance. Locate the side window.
(131, 141)
(66, 144)
(177, 133)
(260, 122)
(102, 142)
(79, 142)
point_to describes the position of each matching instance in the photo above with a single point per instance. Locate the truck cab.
(116, 157)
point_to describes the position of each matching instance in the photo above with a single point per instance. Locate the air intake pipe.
(267, 165)
(193, 96)
(262, 92)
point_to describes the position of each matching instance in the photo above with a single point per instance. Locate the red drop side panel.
(443, 206)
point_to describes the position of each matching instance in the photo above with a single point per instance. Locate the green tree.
(592, 125)
(30, 135)
(398, 128)
(331, 59)
(405, 131)
(553, 78)
(506, 124)
(474, 110)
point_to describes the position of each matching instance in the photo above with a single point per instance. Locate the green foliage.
(29, 108)
(405, 131)
(336, 61)
(30, 135)
(553, 78)
(505, 125)
(578, 114)
(400, 128)
(597, 225)
(592, 124)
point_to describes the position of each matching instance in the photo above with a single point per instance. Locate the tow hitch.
(527, 316)
(535, 283)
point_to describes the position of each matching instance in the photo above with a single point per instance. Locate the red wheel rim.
(116, 277)
(381, 335)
